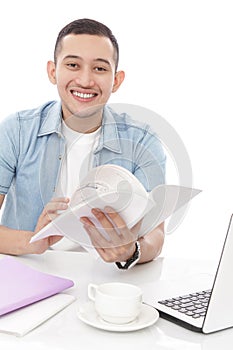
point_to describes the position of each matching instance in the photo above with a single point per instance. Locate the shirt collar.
(109, 137)
(52, 120)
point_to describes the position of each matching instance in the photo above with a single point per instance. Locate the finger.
(102, 218)
(116, 229)
(86, 220)
(51, 210)
(97, 239)
(54, 206)
(107, 255)
(136, 227)
(123, 230)
(50, 216)
(60, 199)
(109, 250)
(54, 239)
(106, 223)
(57, 203)
(115, 218)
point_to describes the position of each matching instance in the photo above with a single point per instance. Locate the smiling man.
(45, 152)
(84, 70)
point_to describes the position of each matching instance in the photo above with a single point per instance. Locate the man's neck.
(84, 124)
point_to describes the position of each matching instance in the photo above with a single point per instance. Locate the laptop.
(204, 310)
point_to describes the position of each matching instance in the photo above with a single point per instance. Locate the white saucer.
(147, 317)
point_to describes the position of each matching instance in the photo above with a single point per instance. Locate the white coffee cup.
(116, 302)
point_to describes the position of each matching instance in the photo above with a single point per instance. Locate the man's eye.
(72, 65)
(100, 69)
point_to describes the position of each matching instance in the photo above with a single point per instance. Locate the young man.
(45, 151)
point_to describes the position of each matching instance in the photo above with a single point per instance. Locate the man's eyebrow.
(72, 56)
(102, 60)
(80, 58)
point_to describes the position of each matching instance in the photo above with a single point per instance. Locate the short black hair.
(87, 26)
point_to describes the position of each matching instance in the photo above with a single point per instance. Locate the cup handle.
(92, 291)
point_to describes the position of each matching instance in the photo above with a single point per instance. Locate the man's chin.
(85, 120)
(88, 112)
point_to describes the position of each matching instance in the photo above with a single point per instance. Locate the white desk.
(66, 331)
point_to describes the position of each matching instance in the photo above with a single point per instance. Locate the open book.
(114, 186)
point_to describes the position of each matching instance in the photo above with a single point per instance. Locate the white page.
(164, 201)
(23, 320)
(114, 186)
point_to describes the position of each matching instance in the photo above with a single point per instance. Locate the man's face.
(84, 73)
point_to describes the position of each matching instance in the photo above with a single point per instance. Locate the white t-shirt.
(77, 160)
(75, 165)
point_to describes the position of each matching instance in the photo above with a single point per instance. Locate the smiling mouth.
(83, 95)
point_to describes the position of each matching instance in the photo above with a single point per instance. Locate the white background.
(178, 59)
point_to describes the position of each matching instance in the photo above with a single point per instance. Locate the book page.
(164, 201)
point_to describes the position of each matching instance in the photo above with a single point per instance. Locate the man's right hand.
(50, 211)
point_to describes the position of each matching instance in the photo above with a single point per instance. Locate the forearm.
(151, 244)
(17, 242)
(14, 242)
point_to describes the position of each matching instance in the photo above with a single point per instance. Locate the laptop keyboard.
(193, 305)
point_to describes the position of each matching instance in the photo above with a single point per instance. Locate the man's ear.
(51, 71)
(118, 80)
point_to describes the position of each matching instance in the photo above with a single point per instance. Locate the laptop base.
(179, 322)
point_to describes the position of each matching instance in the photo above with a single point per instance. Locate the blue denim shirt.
(32, 148)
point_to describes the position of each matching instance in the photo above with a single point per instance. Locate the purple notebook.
(21, 285)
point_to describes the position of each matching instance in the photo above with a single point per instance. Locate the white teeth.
(81, 95)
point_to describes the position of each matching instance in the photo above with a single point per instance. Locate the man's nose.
(85, 78)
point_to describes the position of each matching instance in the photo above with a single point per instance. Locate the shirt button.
(60, 157)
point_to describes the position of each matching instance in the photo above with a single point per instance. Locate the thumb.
(136, 227)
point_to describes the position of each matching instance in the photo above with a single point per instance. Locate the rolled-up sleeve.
(150, 161)
(9, 150)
